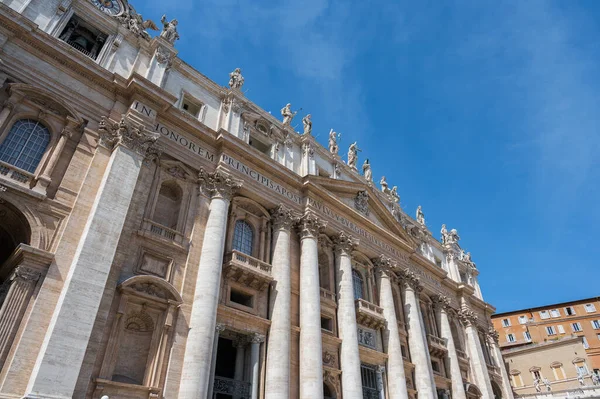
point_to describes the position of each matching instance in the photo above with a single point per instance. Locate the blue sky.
(485, 113)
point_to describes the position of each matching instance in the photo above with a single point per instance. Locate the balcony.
(495, 370)
(437, 346)
(462, 357)
(368, 314)
(163, 232)
(15, 174)
(234, 388)
(328, 296)
(246, 270)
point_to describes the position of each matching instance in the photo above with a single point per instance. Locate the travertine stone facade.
(163, 236)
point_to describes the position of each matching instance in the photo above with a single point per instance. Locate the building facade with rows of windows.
(163, 236)
(547, 327)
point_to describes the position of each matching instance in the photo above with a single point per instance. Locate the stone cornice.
(218, 184)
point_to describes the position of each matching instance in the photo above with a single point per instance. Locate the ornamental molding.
(385, 265)
(256, 338)
(284, 218)
(164, 57)
(330, 359)
(218, 184)
(441, 301)
(26, 274)
(310, 225)
(493, 334)
(136, 138)
(344, 243)
(151, 289)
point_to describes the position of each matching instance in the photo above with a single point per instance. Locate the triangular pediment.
(373, 207)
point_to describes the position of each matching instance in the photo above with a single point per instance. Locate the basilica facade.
(163, 236)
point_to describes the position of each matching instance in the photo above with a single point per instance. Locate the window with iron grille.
(25, 144)
(368, 376)
(357, 282)
(243, 237)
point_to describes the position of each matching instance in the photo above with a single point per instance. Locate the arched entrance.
(496, 390)
(472, 391)
(14, 230)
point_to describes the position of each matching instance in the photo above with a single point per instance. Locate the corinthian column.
(61, 355)
(417, 340)
(278, 355)
(346, 313)
(197, 359)
(493, 340)
(478, 364)
(311, 348)
(442, 303)
(395, 369)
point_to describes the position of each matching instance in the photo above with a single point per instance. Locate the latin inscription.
(144, 109)
(184, 142)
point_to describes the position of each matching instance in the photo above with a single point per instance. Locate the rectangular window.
(544, 314)
(505, 323)
(589, 307)
(368, 377)
(585, 343)
(570, 311)
(581, 369)
(510, 338)
(527, 336)
(83, 37)
(561, 329)
(537, 374)
(550, 330)
(555, 313)
(326, 323)
(522, 319)
(596, 324)
(191, 106)
(576, 327)
(241, 298)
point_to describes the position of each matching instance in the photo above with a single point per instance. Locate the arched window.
(357, 281)
(25, 144)
(243, 237)
(168, 204)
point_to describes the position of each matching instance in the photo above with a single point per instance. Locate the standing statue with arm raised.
(169, 32)
(353, 155)
(287, 114)
(333, 138)
(236, 80)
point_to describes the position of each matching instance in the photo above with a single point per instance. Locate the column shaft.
(311, 347)
(395, 369)
(458, 389)
(196, 370)
(349, 354)
(255, 369)
(63, 350)
(506, 387)
(277, 384)
(213, 362)
(478, 364)
(419, 352)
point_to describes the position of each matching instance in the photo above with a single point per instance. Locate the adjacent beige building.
(161, 236)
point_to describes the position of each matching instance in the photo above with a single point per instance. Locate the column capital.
(493, 334)
(218, 184)
(467, 316)
(136, 138)
(410, 280)
(344, 243)
(385, 265)
(441, 302)
(240, 341)
(310, 225)
(257, 338)
(283, 217)
(26, 274)
(220, 327)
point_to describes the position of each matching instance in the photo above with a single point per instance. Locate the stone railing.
(235, 388)
(369, 314)
(162, 231)
(370, 393)
(437, 345)
(247, 270)
(327, 295)
(19, 176)
(462, 356)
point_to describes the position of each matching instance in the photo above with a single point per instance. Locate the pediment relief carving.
(151, 286)
(177, 169)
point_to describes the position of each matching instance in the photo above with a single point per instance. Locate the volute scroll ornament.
(257, 338)
(410, 280)
(385, 265)
(284, 218)
(344, 243)
(441, 301)
(467, 317)
(136, 138)
(310, 225)
(218, 184)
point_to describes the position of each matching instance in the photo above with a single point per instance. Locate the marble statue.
(595, 379)
(385, 188)
(236, 80)
(394, 194)
(287, 114)
(580, 379)
(444, 232)
(536, 384)
(169, 32)
(367, 173)
(453, 237)
(420, 215)
(307, 124)
(353, 155)
(547, 384)
(333, 138)
(135, 22)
